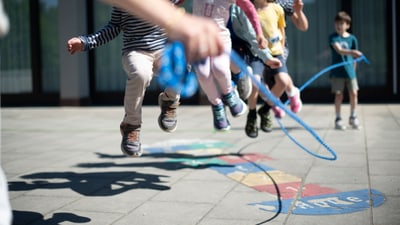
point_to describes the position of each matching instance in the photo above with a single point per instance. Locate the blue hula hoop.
(239, 62)
(328, 68)
(173, 73)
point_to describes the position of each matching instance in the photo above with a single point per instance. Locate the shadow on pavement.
(27, 217)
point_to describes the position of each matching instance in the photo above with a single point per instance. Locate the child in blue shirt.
(344, 48)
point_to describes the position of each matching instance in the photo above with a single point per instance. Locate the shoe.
(339, 124)
(167, 120)
(354, 123)
(251, 126)
(130, 144)
(221, 123)
(235, 104)
(266, 119)
(243, 83)
(279, 113)
(295, 103)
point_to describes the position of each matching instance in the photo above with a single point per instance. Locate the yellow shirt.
(272, 20)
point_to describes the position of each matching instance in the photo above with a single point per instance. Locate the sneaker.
(339, 125)
(244, 86)
(279, 113)
(168, 116)
(251, 126)
(266, 119)
(130, 144)
(235, 104)
(354, 123)
(221, 123)
(295, 103)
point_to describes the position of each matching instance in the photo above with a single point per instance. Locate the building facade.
(37, 70)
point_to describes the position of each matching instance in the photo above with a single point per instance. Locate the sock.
(266, 107)
(236, 76)
(252, 113)
(338, 116)
(353, 114)
(292, 93)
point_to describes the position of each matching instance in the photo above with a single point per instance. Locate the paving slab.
(64, 166)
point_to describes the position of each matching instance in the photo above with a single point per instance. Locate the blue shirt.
(349, 42)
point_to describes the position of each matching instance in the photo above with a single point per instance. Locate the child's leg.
(207, 83)
(138, 66)
(258, 69)
(337, 88)
(353, 97)
(338, 103)
(338, 85)
(282, 81)
(220, 70)
(352, 86)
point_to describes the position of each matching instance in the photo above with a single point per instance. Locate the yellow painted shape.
(260, 178)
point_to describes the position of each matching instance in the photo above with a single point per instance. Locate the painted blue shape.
(155, 150)
(187, 147)
(330, 204)
(245, 168)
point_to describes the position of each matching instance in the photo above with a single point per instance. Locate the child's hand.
(74, 45)
(298, 5)
(273, 63)
(262, 42)
(356, 53)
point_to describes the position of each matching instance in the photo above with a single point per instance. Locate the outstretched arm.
(298, 18)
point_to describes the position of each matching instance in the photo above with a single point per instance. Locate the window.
(15, 50)
(49, 43)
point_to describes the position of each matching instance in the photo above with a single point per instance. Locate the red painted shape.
(253, 157)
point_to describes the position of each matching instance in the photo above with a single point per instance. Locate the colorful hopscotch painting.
(246, 169)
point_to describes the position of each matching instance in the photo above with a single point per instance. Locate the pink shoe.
(295, 103)
(279, 113)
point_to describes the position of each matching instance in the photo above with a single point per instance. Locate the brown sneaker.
(130, 144)
(168, 116)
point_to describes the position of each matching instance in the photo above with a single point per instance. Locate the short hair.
(343, 16)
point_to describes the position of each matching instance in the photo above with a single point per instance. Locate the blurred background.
(36, 69)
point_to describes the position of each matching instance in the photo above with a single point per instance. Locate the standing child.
(214, 73)
(143, 44)
(244, 42)
(294, 10)
(243, 83)
(273, 22)
(344, 48)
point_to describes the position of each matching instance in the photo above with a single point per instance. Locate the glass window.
(15, 50)
(371, 33)
(49, 44)
(309, 51)
(109, 74)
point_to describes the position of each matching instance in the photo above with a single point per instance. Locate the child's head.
(342, 22)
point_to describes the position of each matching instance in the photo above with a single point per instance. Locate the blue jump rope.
(175, 74)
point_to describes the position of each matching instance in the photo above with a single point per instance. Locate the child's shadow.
(27, 217)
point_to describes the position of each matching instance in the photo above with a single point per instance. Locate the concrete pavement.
(64, 166)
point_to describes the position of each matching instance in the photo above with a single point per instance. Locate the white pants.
(140, 67)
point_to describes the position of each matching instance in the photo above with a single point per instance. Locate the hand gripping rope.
(174, 74)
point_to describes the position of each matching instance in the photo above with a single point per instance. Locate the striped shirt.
(287, 6)
(137, 33)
